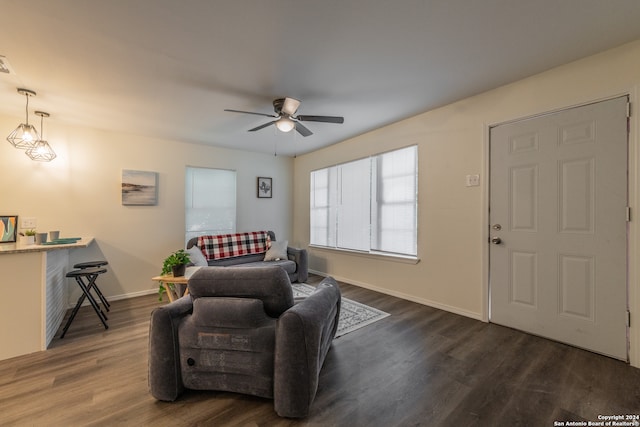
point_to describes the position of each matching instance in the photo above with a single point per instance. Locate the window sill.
(405, 259)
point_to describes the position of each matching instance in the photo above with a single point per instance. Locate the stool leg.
(73, 314)
(93, 285)
(92, 301)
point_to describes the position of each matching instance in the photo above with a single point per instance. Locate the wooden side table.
(167, 281)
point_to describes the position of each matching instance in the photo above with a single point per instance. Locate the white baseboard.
(119, 297)
(412, 298)
(133, 294)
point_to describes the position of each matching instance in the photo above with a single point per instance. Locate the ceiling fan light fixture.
(25, 135)
(285, 124)
(286, 120)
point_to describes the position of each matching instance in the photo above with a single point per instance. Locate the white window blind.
(323, 206)
(367, 205)
(394, 207)
(354, 211)
(210, 201)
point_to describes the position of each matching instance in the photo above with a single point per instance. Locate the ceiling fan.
(285, 109)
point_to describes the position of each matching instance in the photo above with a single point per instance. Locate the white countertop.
(17, 248)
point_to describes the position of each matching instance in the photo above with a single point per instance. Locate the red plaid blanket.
(232, 245)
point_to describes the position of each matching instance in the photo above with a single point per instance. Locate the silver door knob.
(496, 240)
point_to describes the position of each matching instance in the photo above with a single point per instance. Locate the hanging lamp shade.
(25, 135)
(41, 151)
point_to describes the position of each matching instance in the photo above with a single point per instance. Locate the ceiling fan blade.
(290, 106)
(251, 112)
(262, 126)
(302, 130)
(325, 119)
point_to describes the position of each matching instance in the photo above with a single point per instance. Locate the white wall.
(453, 270)
(79, 193)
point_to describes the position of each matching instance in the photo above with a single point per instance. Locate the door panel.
(524, 198)
(524, 278)
(558, 200)
(577, 196)
(576, 286)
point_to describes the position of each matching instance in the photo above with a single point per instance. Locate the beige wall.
(452, 239)
(79, 194)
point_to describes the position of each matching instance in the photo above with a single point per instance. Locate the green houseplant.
(176, 263)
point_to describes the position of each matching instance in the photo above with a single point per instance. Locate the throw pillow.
(196, 256)
(277, 251)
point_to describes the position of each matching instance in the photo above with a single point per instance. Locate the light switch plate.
(473, 180)
(29, 222)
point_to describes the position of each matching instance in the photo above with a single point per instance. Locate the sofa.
(250, 249)
(239, 331)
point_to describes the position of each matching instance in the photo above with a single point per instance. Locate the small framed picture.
(265, 188)
(139, 188)
(8, 228)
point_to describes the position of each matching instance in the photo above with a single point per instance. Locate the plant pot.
(41, 238)
(28, 240)
(178, 270)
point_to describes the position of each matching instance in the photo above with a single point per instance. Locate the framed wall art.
(265, 188)
(139, 188)
(8, 228)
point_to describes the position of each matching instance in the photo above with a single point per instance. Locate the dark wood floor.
(419, 366)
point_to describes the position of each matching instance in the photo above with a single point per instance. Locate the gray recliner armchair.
(238, 330)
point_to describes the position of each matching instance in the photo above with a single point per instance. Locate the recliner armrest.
(165, 380)
(303, 337)
(300, 257)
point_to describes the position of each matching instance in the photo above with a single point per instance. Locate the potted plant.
(176, 263)
(29, 237)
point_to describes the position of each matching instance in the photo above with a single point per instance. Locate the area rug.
(353, 315)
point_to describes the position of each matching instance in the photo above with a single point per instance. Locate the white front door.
(558, 218)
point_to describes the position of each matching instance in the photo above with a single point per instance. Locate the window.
(367, 205)
(210, 201)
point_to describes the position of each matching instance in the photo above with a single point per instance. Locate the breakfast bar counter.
(35, 294)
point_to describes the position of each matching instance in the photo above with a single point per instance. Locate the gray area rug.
(353, 315)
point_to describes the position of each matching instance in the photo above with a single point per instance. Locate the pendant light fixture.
(25, 135)
(41, 151)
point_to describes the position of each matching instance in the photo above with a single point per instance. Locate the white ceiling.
(168, 68)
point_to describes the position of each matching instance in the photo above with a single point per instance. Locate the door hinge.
(628, 214)
(628, 109)
(628, 319)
